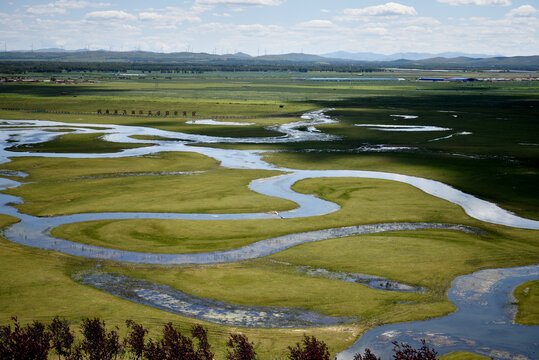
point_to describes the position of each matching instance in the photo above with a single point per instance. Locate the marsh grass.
(527, 295)
(77, 143)
(491, 164)
(362, 201)
(426, 258)
(67, 186)
(509, 184)
(463, 355)
(37, 285)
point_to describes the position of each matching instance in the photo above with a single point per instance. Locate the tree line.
(20, 67)
(36, 341)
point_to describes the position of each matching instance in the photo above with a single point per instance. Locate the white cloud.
(387, 28)
(376, 30)
(222, 15)
(7, 19)
(316, 24)
(425, 21)
(168, 17)
(109, 15)
(388, 9)
(226, 29)
(149, 16)
(259, 28)
(414, 28)
(46, 10)
(239, 3)
(476, 2)
(61, 6)
(523, 11)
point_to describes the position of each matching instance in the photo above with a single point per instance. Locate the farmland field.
(483, 139)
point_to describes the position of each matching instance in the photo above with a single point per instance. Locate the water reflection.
(483, 324)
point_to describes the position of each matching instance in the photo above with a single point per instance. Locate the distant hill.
(146, 57)
(369, 56)
(241, 54)
(514, 63)
(109, 56)
(298, 57)
(49, 50)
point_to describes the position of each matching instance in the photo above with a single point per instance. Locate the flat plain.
(491, 152)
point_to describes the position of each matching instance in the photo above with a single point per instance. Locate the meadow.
(497, 162)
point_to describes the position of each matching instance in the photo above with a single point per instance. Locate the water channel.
(35, 231)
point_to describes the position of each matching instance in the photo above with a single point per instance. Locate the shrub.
(61, 337)
(406, 352)
(311, 349)
(98, 343)
(203, 351)
(30, 342)
(135, 339)
(240, 348)
(367, 355)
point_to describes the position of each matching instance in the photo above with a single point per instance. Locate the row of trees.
(36, 340)
(19, 67)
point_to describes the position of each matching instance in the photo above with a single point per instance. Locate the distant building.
(431, 79)
(461, 79)
(453, 79)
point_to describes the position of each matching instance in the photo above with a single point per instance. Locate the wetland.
(225, 218)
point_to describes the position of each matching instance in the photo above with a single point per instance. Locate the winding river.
(483, 324)
(35, 231)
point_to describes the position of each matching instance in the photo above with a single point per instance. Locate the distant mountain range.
(400, 60)
(55, 50)
(369, 56)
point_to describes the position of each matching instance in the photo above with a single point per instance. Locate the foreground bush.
(310, 349)
(34, 341)
(30, 342)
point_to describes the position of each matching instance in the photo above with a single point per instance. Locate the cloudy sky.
(505, 27)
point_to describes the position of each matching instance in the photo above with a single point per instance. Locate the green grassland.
(527, 295)
(37, 285)
(73, 143)
(491, 163)
(361, 201)
(403, 256)
(462, 355)
(160, 193)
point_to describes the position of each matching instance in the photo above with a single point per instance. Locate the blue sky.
(506, 27)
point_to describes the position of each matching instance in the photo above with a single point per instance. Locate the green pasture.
(403, 256)
(510, 184)
(76, 143)
(527, 295)
(497, 162)
(37, 285)
(362, 201)
(60, 186)
(170, 123)
(463, 355)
